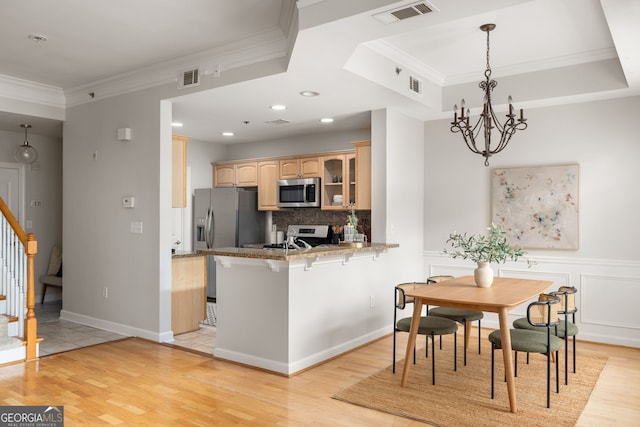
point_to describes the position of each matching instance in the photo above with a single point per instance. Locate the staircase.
(18, 324)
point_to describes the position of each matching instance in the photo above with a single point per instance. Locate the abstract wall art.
(537, 206)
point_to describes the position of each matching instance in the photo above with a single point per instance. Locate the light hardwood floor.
(137, 382)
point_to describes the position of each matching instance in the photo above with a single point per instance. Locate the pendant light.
(25, 153)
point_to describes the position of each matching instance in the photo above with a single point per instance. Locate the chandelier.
(25, 153)
(487, 121)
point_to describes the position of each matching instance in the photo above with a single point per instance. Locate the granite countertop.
(256, 251)
(185, 254)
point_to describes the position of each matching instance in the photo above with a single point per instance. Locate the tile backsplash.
(312, 216)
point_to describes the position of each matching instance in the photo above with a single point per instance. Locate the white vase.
(483, 275)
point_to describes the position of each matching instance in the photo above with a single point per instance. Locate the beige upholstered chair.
(54, 272)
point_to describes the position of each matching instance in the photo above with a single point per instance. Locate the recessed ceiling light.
(176, 124)
(37, 38)
(227, 133)
(278, 107)
(309, 93)
(326, 120)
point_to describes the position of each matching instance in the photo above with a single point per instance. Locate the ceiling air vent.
(405, 12)
(278, 122)
(415, 85)
(189, 78)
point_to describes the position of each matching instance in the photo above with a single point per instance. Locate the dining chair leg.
(574, 354)
(548, 377)
(493, 348)
(455, 351)
(557, 375)
(566, 360)
(466, 339)
(394, 349)
(433, 360)
(479, 337)
(515, 374)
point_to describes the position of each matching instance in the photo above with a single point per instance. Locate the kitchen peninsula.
(286, 310)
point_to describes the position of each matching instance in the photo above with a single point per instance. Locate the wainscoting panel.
(607, 298)
(609, 291)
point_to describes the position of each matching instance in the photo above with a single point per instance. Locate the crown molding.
(252, 50)
(31, 92)
(532, 66)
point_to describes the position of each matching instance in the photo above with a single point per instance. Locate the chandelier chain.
(487, 72)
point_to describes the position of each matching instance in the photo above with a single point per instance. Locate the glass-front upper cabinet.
(338, 181)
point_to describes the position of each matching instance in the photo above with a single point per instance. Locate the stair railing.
(17, 279)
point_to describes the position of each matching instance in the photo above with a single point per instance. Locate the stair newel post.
(30, 322)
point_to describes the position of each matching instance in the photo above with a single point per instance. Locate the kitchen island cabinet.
(287, 311)
(188, 292)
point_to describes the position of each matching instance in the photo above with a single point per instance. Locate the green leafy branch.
(492, 247)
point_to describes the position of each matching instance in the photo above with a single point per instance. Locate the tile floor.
(62, 335)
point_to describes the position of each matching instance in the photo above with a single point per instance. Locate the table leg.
(413, 332)
(505, 336)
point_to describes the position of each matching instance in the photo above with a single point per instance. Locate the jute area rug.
(463, 398)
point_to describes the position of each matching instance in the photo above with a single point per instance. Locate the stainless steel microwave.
(299, 193)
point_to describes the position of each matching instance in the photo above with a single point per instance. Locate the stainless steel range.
(305, 236)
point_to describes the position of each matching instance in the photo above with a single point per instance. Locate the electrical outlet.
(372, 301)
(105, 292)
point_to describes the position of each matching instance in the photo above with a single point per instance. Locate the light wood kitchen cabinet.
(338, 179)
(268, 172)
(179, 171)
(224, 175)
(188, 293)
(246, 174)
(363, 174)
(348, 175)
(242, 174)
(301, 167)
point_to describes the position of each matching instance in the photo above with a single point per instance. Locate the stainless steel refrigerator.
(225, 217)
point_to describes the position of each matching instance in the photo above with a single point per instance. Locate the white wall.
(100, 249)
(601, 137)
(43, 184)
(397, 198)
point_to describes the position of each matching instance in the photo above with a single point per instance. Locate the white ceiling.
(542, 51)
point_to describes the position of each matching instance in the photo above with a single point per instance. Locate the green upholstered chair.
(542, 313)
(400, 303)
(430, 326)
(459, 315)
(565, 329)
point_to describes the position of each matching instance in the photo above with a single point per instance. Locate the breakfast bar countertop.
(294, 254)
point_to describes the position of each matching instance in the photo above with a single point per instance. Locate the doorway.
(12, 189)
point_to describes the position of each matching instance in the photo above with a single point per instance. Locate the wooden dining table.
(462, 292)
